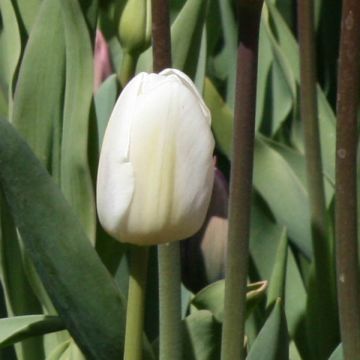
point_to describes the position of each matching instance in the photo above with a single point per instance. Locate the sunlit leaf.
(15, 329)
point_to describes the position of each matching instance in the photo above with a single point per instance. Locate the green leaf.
(20, 298)
(80, 287)
(282, 88)
(273, 177)
(201, 336)
(28, 10)
(212, 298)
(272, 341)
(338, 353)
(105, 99)
(59, 351)
(186, 34)
(76, 181)
(38, 108)
(284, 193)
(222, 117)
(265, 62)
(11, 48)
(226, 61)
(18, 328)
(278, 277)
(290, 51)
(295, 305)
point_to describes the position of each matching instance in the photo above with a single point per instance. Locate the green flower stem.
(346, 180)
(128, 67)
(241, 181)
(169, 301)
(135, 306)
(325, 322)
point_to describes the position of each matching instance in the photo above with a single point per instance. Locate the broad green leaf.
(15, 329)
(282, 87)
(272, 341)
(186, 34)
(28, 10)
(38, 108)
(11, 48)
(76, 181)
(222, 117)
(201, 336)
(290, 50)
(273, 177)
(278, 276)
(265, 235)
(212, 298)
(80, 287)
(284, 193)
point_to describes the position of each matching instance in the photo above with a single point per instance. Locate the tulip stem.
(346, 219)
(135, 306)
(169, 301)
(241, 181)
(128, 68)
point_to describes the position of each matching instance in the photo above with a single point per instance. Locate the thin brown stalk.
(161, 35)
(346, 199)
(241, 181)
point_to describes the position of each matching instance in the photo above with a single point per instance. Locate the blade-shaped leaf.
(76, 181)
(272, 341)
(186, 34)
(212, 297)
(284, 193)
(201, 336)
(37, 109)
(18, 328)
(278, 276)
(81, 289)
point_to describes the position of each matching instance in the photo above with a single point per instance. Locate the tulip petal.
(115, 182)
(171, 150)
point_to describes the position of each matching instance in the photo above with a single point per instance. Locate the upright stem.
(128, 67)
(325, 321)
(169, 301)
(241, 181)
(346, 199)
(135, 307)
(161, 34)
(170, 346)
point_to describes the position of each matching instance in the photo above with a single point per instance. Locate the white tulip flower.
(156, 171)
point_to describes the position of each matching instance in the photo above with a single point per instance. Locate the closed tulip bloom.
(156, 171)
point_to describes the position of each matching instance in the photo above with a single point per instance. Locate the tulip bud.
(156, 172)
(203, 254)
(135, 26)
(102, 63)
